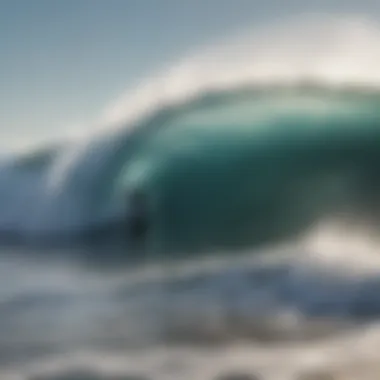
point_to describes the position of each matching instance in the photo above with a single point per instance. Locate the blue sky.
(63, 61)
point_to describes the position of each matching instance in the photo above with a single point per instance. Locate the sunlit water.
(276, 313)
(231, 161)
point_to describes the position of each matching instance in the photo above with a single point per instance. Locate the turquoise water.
(250, 167)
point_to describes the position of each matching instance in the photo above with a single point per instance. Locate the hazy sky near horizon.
(63, 61)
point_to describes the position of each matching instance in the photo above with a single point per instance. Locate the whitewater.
(260, 160)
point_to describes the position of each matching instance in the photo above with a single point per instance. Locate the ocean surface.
(259, 160)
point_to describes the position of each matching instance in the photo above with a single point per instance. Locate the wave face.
(225, 161)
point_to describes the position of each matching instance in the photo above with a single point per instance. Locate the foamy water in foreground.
(278, 314)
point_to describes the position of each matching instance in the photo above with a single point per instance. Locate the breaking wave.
(248, 142)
